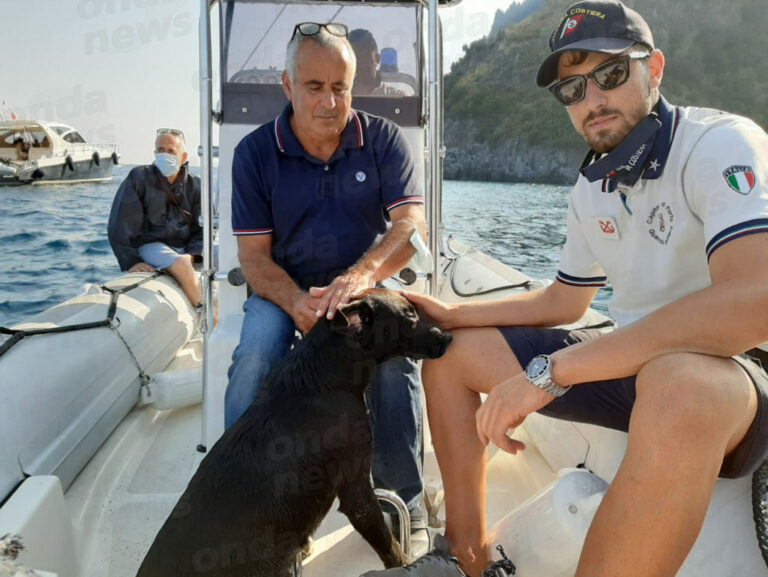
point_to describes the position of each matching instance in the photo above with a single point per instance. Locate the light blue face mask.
(167, 163)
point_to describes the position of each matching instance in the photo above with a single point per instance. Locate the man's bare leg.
(691, 410)
(185, 275)
(478, 359)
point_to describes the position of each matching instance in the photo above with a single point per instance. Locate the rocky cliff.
(500, 126)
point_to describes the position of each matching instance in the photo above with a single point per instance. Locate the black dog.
(269, 481)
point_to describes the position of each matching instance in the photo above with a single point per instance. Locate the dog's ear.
(352, 318)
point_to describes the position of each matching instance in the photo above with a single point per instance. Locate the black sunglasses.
(313, 28)
(607, 76)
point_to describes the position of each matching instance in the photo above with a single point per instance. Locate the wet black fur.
(266, 485)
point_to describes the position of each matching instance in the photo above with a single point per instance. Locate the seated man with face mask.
(155, 219)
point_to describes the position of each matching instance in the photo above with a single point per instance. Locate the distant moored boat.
(37, 151)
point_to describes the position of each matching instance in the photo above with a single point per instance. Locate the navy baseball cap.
(605, 26)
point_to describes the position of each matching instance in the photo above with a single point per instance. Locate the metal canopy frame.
(434, 154)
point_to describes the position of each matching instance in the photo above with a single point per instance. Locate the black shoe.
(438, 563)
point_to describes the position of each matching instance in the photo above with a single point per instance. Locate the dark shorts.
(609, 403)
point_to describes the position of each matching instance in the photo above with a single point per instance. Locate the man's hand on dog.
(304, 312)
(436, 310)
(341, 290)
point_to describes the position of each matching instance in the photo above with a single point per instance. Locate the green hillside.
(500, 126)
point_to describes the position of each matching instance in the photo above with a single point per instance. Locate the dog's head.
(382, 323)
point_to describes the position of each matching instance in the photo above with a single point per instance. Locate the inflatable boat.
(103, 426)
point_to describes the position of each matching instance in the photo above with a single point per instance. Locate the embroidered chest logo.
(740, 178)
(660, 221)
(360, 176)
(608, 227)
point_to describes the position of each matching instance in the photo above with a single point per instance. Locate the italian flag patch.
(740, 178)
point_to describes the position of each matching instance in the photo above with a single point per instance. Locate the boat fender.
(174, 389)
(37, 174)
(114, 158)
(70, 163)
(96, 158)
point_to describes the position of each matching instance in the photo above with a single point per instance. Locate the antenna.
(6, 113)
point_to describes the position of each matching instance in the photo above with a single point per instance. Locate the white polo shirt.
(652, 241)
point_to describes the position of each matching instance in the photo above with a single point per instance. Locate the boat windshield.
(34, 137)
(73, 137)
(385, 39)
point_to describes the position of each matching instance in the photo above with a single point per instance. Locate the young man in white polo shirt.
(672, 209)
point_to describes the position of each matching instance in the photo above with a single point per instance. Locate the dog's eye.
(411, 316)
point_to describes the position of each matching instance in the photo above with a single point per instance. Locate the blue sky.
(118, 69)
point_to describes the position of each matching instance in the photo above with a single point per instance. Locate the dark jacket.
(141, 213)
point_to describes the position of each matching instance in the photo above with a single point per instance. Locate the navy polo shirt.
(322, 216)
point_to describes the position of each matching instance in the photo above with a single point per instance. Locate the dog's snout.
(443, 340)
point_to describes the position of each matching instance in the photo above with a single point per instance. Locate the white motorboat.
(89, 477)
(44, 152)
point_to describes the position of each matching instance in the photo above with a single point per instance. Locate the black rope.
(17, 335)
(10, 342)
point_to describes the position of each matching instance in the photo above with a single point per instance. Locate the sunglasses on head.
(313, 28)
(607, 76)
(174, 131)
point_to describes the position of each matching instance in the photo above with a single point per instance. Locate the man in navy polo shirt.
(313, 195)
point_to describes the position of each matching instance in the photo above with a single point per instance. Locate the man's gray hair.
(179, 140)
(324, 39)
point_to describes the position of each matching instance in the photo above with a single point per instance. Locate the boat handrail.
(76, 147)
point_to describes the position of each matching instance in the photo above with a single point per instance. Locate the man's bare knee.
(180, 265)
(477, 359)
(184, 273)
(692, 389)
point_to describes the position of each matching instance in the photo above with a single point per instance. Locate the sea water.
(53, 238)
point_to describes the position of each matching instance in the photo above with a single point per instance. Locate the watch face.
(536, 367)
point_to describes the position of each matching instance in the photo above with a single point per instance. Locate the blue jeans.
(393, 398)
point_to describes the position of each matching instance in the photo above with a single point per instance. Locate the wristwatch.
(538, 374)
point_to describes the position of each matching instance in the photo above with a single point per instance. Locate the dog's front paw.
(395, 559)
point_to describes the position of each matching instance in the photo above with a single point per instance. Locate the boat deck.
(123, 496)
(121, 499)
